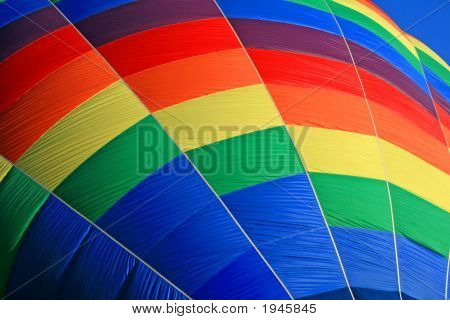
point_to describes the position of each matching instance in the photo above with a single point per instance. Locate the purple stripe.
(287, 37)
(22, 32)
(291, 38)
(444, 103)
(142, 15)
(380, 67)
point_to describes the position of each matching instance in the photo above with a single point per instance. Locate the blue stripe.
(368, 257)
(279, 11)
(437, 83)
(222, 285)
(75, 261)
(422, 271)
(448, 278)
(11, 10)
(283, 219)
(178, 225)
(76, 10)
(147, 285)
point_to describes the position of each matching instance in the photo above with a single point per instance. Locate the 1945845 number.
(290, 308)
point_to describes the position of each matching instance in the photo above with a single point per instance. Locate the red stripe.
(156, 46)
(295, 69)
(444, 118)
(22, 70)
(384, 93)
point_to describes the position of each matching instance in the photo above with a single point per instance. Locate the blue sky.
(433, 30)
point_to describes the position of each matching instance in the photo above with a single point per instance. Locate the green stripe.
(20, 201)
(116, 168)
(247, 160)
(363, 203)
(421, 221)
(434, 66)
(319, 5)
(352, 201)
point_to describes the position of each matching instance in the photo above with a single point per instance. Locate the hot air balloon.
(220, 149)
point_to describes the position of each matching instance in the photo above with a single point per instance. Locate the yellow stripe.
(333, 151)
(5, 166)
(394, 30)
(347, 153)
(423, 47)
(417, 176)
(81, 133)
(219, 116)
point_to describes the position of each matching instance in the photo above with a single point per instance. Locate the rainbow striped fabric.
(251, 149)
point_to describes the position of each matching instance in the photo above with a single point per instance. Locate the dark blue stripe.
(175, 222)
(448, 278)
(222, 285)
(373, 294)
(368, 257)
(340, 294)
(422, 271)
(76, 261)
(147, 285)
(283, 219)
(76, 10)
(11, 10)
(279, 11)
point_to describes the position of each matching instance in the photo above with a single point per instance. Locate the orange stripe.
(333, 109)
(38, 110)
(304, 70)
(326, 108)
(172, 83)
(397, 129)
